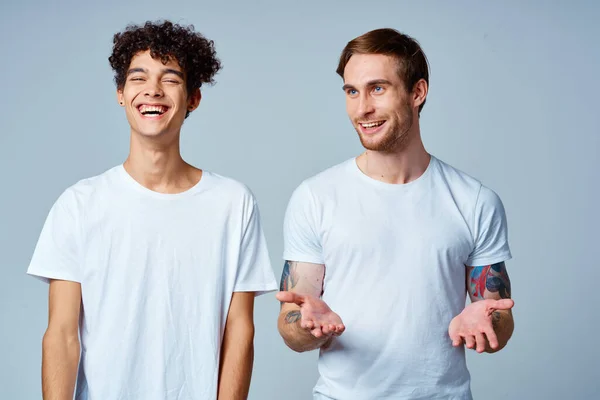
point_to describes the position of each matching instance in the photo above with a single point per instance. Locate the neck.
(159, 166)
(398, 166)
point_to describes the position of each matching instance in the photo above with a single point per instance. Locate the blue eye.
(352, 91)
(378, 88)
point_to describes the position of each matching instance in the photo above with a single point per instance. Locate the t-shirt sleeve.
(254, 273)
(490, 230)
(57, 252)
(300, 238)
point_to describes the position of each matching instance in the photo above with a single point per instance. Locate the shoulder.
(230, 189)
(458, 180)
(326, 177)
(326, 180)
(468, 191)
(77, 195)
(489, 198)
(228, 184)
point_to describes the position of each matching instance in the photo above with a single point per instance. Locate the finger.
(491, 337)
(504, 304)
(308, 324)
(337, 330)
(290, 297)
(317, 332)
(481, 342)
(470, 340)
(456, 339)
(327, 329)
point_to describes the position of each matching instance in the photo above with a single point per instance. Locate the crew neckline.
(393, 186)
(165, 196)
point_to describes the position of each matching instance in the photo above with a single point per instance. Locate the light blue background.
(513, 101)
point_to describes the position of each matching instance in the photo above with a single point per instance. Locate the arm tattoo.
(289, 277)
(494, 278)
(292, 317)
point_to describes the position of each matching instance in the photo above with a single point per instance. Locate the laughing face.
(377, 102)
(155, 97)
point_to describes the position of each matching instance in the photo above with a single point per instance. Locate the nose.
(153, 90)
(365, 105)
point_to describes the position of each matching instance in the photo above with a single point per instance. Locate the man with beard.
(381, 249)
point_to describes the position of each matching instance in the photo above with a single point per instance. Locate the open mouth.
(152, 110)
(374, 124)
(371, 126)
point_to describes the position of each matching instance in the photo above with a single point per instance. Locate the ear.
(120, 97)
(194, 100)
(419, 93)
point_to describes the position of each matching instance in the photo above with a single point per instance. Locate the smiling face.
(380, 107)
(155, 97)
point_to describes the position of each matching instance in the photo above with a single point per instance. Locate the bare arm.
(60, 346)
(492, 282)
(237, 352)
(303, 283)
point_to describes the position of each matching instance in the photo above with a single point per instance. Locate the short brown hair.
(412, 62)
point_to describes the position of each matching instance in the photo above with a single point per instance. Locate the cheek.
(181, 100)
(390, 105)
(351, 107)
(129, 94)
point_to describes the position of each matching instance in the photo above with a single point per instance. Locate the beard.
(395, 136)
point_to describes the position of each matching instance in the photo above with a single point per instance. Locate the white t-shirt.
(157, 273)
(394, 259)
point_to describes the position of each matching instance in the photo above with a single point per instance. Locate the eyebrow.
(370, 83)
(164, 71)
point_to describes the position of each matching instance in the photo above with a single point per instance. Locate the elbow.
(240, 331)
(59, 338)
(249, 333)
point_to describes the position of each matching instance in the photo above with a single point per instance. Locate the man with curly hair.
(153, 265)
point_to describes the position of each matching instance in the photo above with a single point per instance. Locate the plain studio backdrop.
(513, 101)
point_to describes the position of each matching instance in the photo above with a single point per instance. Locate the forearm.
(60, 360)
(294, 336)
(503, 324)
(237, 358)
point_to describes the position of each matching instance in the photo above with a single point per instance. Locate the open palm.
(474, 324)
(316, 316)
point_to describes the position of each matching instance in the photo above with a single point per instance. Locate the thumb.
(290, 297)
(504, 304)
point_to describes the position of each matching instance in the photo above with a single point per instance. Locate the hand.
(316, 316)
(474, 322)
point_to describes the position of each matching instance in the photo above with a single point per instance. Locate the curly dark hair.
(195, 54)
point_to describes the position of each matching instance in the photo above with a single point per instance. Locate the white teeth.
(372, 124)
(152, 109)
